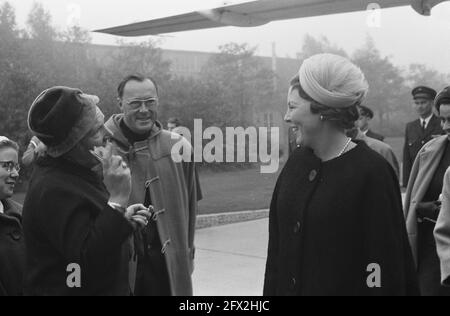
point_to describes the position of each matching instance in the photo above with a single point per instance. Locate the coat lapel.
(429, 162)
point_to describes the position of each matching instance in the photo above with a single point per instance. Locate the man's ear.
(119, 103)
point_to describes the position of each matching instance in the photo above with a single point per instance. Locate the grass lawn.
(230, 191)
(236, 191)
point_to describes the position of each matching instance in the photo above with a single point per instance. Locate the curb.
(212, 220)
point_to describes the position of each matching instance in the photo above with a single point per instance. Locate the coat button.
(16, 235)
(312, 175)
(297, 228)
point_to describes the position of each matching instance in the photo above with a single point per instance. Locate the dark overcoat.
(12, 250)
(66, 221)
(331, 222)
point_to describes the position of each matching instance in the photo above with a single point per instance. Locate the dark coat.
(415, 139)
(12, 250)
(67, 220)
(330, 221)
(375, 135)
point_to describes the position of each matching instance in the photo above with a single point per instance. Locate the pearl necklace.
(345, 148)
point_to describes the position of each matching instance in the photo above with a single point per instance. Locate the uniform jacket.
(174, 193)
(415, 139)
(330, 221)
(12, 250)
(422, 173)
(67, 221)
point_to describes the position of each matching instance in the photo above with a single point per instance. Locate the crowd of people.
(108, 198)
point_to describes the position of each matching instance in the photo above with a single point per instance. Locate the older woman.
(73, 214)
(336, 221)
(422, 201)
(12, 248)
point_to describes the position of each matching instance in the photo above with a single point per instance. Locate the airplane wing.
(259, 12)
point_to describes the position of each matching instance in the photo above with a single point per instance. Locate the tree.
(387, 93)
(76, 35)
(40, 24)
(8, 26)
(39, 45)
(16, 85)
(420, 75)
(144, 58)
(242, 85)
(312, 46)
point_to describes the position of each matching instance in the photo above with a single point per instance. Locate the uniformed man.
(422, 130)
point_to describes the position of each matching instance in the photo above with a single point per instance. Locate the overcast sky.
(403, 34)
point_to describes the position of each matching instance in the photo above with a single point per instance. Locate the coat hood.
(113, 127)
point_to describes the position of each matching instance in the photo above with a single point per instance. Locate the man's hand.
(138, 215)
(429, 210)
(116, 175)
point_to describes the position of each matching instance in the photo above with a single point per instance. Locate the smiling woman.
(12, 249)
(336, 212)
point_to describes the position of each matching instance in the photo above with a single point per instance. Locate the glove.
(429, 210)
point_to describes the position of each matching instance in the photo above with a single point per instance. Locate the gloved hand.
(429, 210)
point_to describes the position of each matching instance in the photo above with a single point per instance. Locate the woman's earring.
(322, 118)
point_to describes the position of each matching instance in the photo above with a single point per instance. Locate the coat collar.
(12, 209)
(113, 126)
(432, 124)
(436, 147)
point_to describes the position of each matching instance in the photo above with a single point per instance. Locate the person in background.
(173, 124)
(165, 248)
(35, 150)
(366, 115)
(420, 131)
(12, 245)
(422, 202)
(336, 209)
(380, 147)
(76, 209)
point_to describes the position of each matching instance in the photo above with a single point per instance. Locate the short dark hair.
(135, 77)
(174, 120)
(442, 98)
(343, 118)
(365, 111)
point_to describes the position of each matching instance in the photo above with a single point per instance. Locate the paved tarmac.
(230, 260)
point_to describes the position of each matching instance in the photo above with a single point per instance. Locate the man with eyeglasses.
(164, 250)
(12, 246)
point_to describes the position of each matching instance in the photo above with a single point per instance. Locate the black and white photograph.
(223, 153)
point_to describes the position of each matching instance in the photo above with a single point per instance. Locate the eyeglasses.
(10, 166)
(148, 103)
